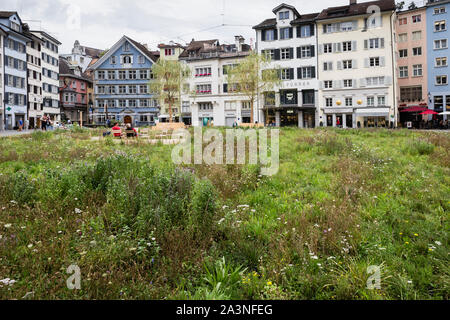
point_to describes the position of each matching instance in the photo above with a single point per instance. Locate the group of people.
(45, 122)
(117, 130)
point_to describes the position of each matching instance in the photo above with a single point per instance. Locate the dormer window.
(127, 60)
(15, 26)
(284, 15)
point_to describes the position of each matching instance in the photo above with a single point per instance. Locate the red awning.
(414, 109)
(429, 112)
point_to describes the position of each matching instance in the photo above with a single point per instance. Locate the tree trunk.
(170, 111)
(251, 111)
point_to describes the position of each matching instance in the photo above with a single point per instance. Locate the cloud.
(104, 22)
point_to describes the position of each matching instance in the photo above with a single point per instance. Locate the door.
(229, 121)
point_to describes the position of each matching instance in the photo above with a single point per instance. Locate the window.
(169, 51)
(403, 21)
(347, 64)
(403, 37)
(127, 59)
(347, 46)
(143, 74)
(204, 72)
(132, 89)
(439, 10)
(410, 93)
(308, 97)
(101, 75)
(347, 26)
(328, 84)
(305, 31)
(417, 35)
(284, 15)
(143, 89)
(327, 48)
(111, 75)
(204, 88)
(305, 51)
(122, 89)
(288, 97)
(327, 66)
(370, 101)
(330, 28)
(381, 100)
(306, 73)
(403, 72)
(417, 51)
(403, 53)
(348, 83)
(439, 26)
(348, 102)
(132, 103)
(205, 106)
(417, 70)
(374, 62)
(269, 54)
(143, 103)
(126, 47)
(113, 59)
(269, 35)
(441, 80)
(141, 59)
(438, 102)
(285, 74)
(122, 103)
(416, 18)
(376, 43)
(132, 74)
(440, 44)
(285, 33)
(441, 62)
(328, 102)
(285, 54)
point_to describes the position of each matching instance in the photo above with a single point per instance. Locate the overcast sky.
(101, 23)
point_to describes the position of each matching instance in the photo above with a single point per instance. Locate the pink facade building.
(411, 46)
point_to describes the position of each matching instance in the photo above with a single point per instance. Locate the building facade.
(74, 95)
(15, 71)
(438, 34)
(290, 40)
(207, 98)
(412, 69)
(34, 76)
(50, 75)
(2, 87)
(357, 65)
(121, 85)
(82, 56)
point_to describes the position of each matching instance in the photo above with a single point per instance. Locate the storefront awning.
(372, 112)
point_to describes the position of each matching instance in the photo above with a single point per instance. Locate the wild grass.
(140, 227)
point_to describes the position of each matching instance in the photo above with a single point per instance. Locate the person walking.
(44, 123)
(20, 124)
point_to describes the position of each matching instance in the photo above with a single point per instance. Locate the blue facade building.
(14, 73)
(121, 85)
(438, 53)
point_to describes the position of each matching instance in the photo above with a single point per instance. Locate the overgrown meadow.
(140, 227)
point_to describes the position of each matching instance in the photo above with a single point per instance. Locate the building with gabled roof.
(121, 85)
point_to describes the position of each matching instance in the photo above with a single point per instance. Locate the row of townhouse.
(29, 74)
(359, 65)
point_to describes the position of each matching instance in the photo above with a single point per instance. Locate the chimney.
(352, 2)
(239, 41)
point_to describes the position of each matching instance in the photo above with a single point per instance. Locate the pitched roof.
(287, 6)
(207, 48)
(7, 14)
(355, 9)
(266, 24)
(310, 17)
(198, 46)
(67, 69)
(170, 45)
(143, 49)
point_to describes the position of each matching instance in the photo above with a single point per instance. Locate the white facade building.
(2, 77)
(207, 98)
(291, 43)
(357, 65)
(82, 56)
(50, 75)
(34, 70)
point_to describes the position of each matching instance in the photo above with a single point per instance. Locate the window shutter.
(313, 72)
(225, 87)
(320, 84)
(277, 54)
(334, 47)
(382, 61)
(355, 64)
(279, 73)
(291, 73)
(298, 53)
(311, 29)
(337, 84)
(291, 33)
(263, 35)
(355, 25)
(338, 46)
(339, 65)
(275, 34)
(320, 48)
(354, 83)
(330, 66)
(313, 51)
(366, 44)
(299, 33)
(291, 53)
(382, 42)
(354, 43)
(324, 28)
(366, 62)
(299, 73)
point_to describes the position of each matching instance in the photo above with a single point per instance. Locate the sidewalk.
(11, 133)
